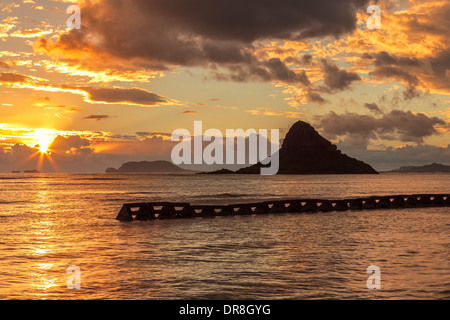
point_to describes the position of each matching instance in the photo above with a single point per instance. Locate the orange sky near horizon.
(117, 88)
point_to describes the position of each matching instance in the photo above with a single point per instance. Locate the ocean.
(51, 221)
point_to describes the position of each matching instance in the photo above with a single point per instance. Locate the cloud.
(188, 112)
(30, 33)
(337, 78)
(14, 78)
(154, 134)
(4, 64)
(384, 58)
(441, 63)
(133, 96)
(373, 107)
(263, 112)
(63, 144)
(397, 73)
(209, 34)
(396, 125)
(97, 117)
(315, 97)
(266, 71)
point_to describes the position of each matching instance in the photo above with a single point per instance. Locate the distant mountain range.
(434, 167)
(147, 167)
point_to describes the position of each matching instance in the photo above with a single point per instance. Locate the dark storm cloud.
(395, 125)
(249, 20)
(156, 34)
(337, 78)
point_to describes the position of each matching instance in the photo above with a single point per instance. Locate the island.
(31, 171)
(221, 171)
(430, 168)
(147, 167)
(305, 151)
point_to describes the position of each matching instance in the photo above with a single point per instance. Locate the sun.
(44, 140)
(43, 145)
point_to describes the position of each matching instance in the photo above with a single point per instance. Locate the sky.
(114, 91)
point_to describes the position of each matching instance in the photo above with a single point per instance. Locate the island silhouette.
(430, 168)
(304, 151)
(147, 167)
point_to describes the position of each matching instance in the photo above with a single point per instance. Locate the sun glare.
(44, 139)
(43, 145)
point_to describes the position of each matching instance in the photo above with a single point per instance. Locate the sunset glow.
(369, 91)
(44, 139)
(255, 152)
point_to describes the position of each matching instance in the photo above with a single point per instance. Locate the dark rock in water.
(15, 172)
(147, 166)
(434, 167)
(31, 171)
(305, 151)
(221, 171)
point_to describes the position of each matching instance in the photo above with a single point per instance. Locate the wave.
(13, 202)
(225, 195)
(145, 192)
(99, 179)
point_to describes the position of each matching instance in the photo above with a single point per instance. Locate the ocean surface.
(51, 221)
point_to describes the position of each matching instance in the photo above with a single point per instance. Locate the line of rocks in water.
(174, 210)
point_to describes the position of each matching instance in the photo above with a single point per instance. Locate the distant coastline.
(430, 168)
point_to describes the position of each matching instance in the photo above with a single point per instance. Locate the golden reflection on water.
(69, 220)
(44, 275)
(41, 282)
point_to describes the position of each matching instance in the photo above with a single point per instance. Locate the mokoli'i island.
(305, 151)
